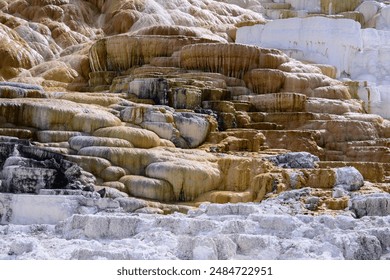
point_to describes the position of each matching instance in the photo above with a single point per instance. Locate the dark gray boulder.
(295, 160)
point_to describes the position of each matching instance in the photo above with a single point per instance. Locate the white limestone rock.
(369, 9)
(349, 178)
(19, 247)
(235, 236)
(383, 21)
(371, 205)
(149, 210)
(357, 245)
(213, 231)
(31, 209)
(314, 43)
(339, 191)
(312, 203)
(211, 209)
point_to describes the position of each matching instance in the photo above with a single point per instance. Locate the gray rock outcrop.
(371, 205)
(28, 169)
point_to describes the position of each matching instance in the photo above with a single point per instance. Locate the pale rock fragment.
(193, 128)
(349, 178)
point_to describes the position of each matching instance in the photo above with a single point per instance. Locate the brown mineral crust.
(232, 60)
(15, 53)
(338, 6)
(49, 114)
(177, 30)
(121, 52)
(262, 81)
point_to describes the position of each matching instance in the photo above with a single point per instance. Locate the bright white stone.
(371, 205)
(369, 9)
(31, 209)
(359, 54)
(19, 247)
(349, 177)
(323, 40)
(231, 231)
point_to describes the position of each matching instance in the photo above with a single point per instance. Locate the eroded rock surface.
(212, 231)
(28, 169)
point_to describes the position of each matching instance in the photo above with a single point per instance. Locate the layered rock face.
(26, 169)
(246, 107)
(358, 54)
(128, 101)
(62, 30)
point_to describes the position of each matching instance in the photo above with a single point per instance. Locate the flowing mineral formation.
(357, 48)
(194, 129)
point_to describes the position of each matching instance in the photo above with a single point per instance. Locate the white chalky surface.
(274, 229)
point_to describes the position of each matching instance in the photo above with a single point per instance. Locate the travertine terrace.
(155, 107)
